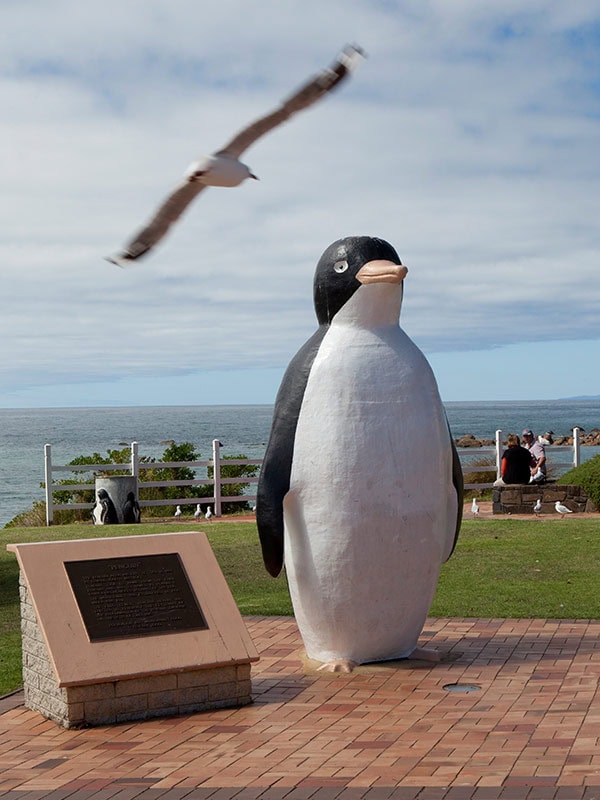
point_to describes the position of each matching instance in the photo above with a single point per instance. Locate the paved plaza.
(512, 711)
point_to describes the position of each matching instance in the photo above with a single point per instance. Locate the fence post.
(48, 479)
(498, 454)
(217, 476)
(576, 445)
(135, 461)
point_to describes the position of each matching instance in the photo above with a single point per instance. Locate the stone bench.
(519, 499)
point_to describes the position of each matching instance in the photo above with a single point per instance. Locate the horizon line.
(271, 404)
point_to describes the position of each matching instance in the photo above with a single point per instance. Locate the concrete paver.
(528, 729)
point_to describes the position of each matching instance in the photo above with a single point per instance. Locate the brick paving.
(529, 730)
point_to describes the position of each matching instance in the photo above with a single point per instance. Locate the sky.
(468, 138)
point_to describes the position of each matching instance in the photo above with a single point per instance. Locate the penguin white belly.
(371, 510)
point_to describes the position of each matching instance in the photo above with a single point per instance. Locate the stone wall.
(517, 499)
(121, 700)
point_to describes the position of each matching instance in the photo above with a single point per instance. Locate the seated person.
(516, 463)
(538, 451)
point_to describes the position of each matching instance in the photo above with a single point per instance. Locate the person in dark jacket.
(516, 462)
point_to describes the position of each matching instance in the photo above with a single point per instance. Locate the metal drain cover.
(462, 687)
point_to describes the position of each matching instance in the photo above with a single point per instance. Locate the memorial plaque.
(134, 596)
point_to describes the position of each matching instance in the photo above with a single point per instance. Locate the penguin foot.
(425, 654)
(338, 665)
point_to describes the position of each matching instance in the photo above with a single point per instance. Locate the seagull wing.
(166, 214)
(302, 98)
(179, 199)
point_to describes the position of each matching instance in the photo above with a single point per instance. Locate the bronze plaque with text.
(134, 596)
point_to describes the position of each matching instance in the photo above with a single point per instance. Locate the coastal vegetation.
(586, 475)
(182, 452)
(480, 470)
(501, 568)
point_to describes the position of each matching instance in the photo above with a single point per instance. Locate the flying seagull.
(223, 168)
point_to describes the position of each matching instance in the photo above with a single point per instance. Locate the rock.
(591, 439)
(468, 440)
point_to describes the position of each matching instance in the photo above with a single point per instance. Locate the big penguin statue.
(360, 492)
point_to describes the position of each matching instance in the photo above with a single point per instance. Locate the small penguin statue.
(360, 492)
(131, 510)
(104, 512)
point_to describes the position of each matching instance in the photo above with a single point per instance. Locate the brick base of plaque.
(130, 699)
(183, 690)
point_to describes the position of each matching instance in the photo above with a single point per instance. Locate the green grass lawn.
(500, 568)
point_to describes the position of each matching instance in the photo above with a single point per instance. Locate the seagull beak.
(252, 175)
(381, 271)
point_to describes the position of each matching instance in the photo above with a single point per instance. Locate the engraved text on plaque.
(134, 596)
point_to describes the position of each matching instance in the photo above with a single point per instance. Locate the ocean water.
(241, 429)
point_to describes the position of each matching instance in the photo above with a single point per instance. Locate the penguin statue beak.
(381, 271)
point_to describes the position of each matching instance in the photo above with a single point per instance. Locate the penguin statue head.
(348, 264)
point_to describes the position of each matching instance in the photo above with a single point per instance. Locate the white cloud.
(469, 139)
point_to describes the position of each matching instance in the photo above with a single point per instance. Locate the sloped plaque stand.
(128, 628)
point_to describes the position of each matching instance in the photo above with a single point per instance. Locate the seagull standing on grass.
(537, 507)
(475, 507)
(177, 513)
(198, 511)
(562, 509)
(208, 514)
(223, 168)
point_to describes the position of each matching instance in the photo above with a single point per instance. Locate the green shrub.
(69, 516)
(34, 518)
(473, 473)
(587, 476)
(184, 451)
(234, 489)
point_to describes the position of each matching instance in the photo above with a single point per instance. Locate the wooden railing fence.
(470, 460)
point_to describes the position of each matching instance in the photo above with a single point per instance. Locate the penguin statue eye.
(340, 266)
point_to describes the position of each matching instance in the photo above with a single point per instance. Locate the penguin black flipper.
(274, 480)
(458, 481)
